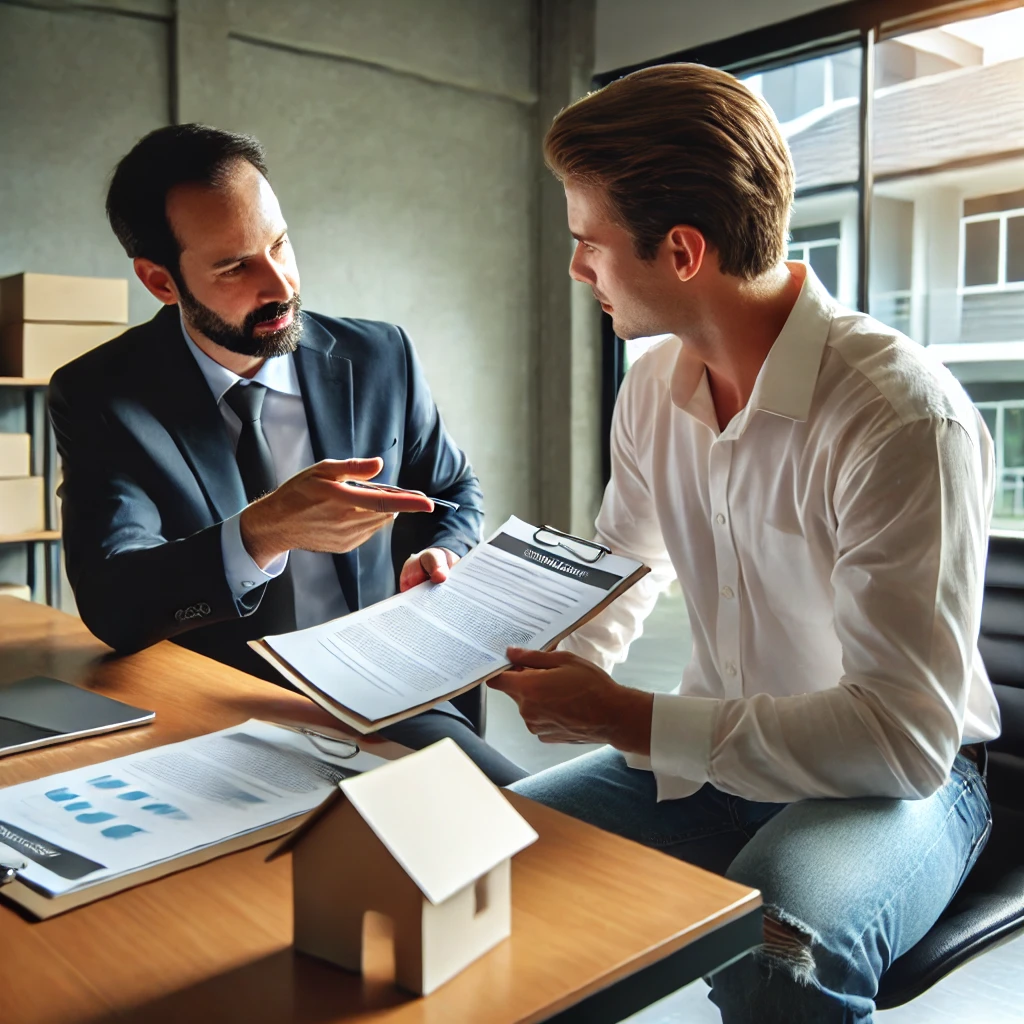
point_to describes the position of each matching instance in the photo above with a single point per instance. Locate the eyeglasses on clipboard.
(589, 551)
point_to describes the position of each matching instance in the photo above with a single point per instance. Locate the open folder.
(526, 586)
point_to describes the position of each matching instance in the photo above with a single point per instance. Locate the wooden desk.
(600, 928)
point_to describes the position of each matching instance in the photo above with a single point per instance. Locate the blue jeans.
(855, 883)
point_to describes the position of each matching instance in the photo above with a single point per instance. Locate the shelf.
(28, 538)
(23, 382)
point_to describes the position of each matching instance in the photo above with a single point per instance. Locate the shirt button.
(248, 583)
(727, 592)
(730, 668)
(720, 519)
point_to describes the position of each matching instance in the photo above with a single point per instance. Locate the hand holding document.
(521, 588)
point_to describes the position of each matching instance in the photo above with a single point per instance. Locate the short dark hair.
(181, 154)
(683, 144)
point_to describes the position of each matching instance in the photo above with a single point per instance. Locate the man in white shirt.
(822, 490)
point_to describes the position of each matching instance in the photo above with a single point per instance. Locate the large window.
(907, 139)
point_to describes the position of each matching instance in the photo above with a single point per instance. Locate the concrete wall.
(630, 31)
(403, 143)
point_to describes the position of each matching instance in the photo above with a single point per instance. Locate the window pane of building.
(1013, 437)
(817, 103)
(825, 261)
(1015, 249)
(981, 252)
(947, 215)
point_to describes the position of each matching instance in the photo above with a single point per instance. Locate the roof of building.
(438, 815)
(970, 113)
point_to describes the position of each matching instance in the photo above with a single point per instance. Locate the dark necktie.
(255, 462)
(256, 465)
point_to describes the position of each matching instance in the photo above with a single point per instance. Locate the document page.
(417, 647)
(92, 824)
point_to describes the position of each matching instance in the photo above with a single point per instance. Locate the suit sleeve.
(434, 464)
(132, 585)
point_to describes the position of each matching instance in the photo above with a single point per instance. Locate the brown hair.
(682, 144)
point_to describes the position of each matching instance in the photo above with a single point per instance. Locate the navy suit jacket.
(150, 474)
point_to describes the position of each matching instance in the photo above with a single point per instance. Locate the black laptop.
(39, 711)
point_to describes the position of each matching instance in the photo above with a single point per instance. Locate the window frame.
(831, 30)
(1000, 284)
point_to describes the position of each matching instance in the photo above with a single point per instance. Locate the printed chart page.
(418, 647)
(93, 824)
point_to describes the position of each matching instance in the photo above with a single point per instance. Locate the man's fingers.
(385, 501)
(435, 565)
(539, 659)
(352, 469)
(412, 575)
(508, 682)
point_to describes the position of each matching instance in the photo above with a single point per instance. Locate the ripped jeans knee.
(788, 945)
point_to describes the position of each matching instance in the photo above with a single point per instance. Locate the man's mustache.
(272, 311)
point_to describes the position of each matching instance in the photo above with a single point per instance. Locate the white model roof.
(440, 818)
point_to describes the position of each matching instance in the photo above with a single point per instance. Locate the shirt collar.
(278, 374)
(785, 384)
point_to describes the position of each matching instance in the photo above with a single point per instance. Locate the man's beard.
(244, 340)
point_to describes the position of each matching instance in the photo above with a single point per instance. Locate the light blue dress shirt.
(318, 594)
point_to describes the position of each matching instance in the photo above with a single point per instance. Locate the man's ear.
(687, 248)
(157, 280)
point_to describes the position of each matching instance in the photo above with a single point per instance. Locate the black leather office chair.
(989, 908)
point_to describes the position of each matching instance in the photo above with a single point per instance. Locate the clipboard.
(574, 549)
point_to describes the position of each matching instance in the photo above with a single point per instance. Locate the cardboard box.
(15, 453)
(36, 350)
(55, 297)
(20, 590)
(22, 505)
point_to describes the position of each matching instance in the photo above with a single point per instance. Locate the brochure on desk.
(105, 824)
(403, 655)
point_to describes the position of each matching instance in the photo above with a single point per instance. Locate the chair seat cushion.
(988, 909)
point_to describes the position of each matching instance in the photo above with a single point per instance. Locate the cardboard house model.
(425, 840)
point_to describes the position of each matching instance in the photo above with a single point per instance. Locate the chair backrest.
(1002, 648)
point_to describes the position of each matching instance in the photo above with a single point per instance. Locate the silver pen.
(368, 485)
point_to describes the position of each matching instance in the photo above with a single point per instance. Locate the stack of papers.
(87, 833)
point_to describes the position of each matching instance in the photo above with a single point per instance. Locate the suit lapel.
(325, 377)
(190, 414)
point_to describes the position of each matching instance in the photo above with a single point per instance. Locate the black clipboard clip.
(593, 551)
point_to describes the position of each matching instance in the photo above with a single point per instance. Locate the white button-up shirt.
(831, 546)
(318, 593)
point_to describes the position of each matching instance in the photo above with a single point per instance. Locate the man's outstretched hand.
(564, 698)
(317, 511)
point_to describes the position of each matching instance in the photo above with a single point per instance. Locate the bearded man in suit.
(209, 454)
